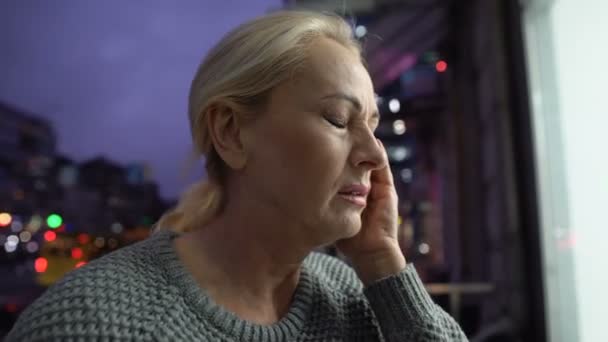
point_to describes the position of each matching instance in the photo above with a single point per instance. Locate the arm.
(406, 312)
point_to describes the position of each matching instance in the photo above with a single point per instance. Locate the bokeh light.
(25, 236)
(116, 228)
(394, 105)
(360, 31)
(41, 264)
(32, 247)
(83, 239)
(99, 242)
(5, 219)
(77, 253)
(441, 66)
(9, 248)
(16, 225)
(34, 224)
(12, 240)
(50, 236)
(399, 127)
(424, 248)
(54, 221)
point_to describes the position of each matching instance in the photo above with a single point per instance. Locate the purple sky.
(113, 76)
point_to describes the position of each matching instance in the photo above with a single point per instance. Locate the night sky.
(113, 76)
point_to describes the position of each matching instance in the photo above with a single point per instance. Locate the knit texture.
(143, 293)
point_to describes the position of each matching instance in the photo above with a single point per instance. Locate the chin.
(348, 229)
(337, 231)
(337, 226)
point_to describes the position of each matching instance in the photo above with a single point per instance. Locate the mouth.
(355, 199)
(355, 193)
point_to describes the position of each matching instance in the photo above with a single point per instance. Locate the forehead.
(332, 68)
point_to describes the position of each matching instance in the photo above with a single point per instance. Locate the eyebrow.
(353, 100)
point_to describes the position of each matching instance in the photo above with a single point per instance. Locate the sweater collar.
(223, 320)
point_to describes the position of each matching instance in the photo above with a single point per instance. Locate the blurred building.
(56, 214)
(23, 135)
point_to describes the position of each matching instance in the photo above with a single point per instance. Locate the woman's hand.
(375, 251)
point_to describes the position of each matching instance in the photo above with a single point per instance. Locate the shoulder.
(334, 273)
(103, 299)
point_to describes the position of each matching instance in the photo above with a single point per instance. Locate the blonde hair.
(240, 72)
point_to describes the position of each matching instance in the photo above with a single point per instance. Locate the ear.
(225, 128)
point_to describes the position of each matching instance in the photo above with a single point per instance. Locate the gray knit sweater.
(143, 293)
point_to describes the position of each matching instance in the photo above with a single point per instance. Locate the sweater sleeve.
(406, 312)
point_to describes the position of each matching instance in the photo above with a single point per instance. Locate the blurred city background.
(491, 110)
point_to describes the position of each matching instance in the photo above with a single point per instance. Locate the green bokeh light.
(54, 221)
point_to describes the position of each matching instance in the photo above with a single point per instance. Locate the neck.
(246, 258)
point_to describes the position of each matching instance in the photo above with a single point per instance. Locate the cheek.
(316, 160)
(307, 162)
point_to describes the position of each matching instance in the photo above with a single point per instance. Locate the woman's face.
(314, 140)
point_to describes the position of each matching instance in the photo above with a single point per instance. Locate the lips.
(355, 193)
(355, 190)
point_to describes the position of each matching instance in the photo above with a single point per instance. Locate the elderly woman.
(283, 109)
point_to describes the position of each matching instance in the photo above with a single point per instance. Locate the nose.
(367, 153)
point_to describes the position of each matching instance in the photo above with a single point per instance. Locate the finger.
(383, 175)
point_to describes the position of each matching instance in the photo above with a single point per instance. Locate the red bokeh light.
(77, 253)
(441, 66)
(41, 264)
(50, 235)
(83, 238)
(80, 264)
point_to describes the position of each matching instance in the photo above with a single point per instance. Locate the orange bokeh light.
(5, 219)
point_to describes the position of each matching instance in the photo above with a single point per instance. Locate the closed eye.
(335, 123)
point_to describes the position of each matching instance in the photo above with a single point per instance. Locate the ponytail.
(201, 202)
(196, 207)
